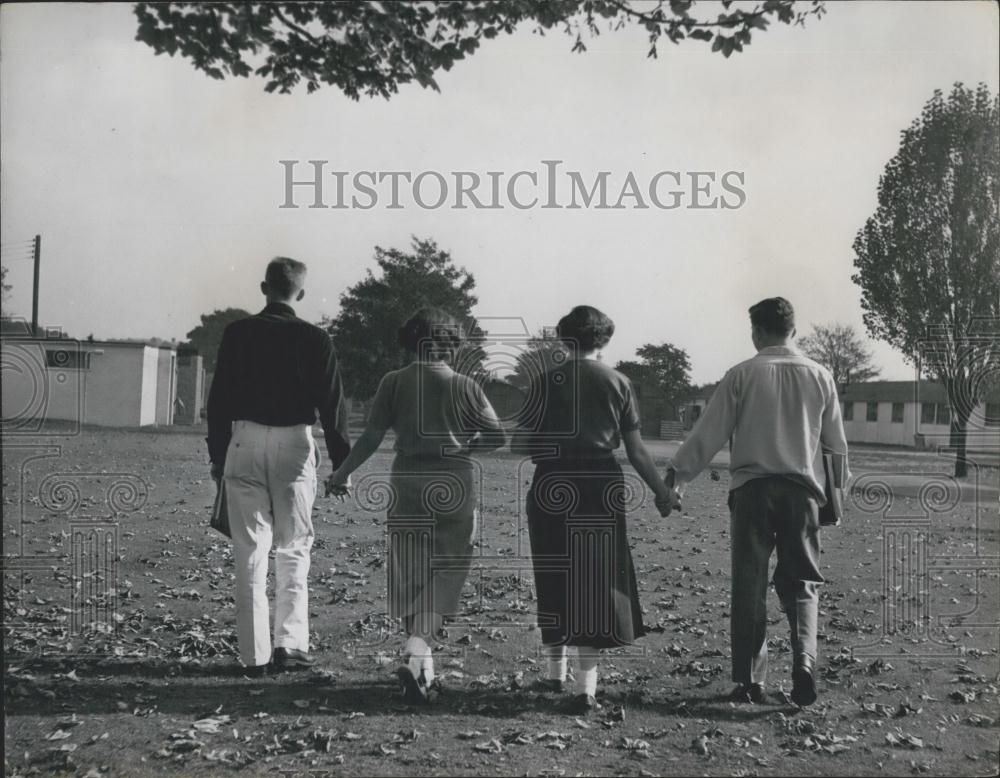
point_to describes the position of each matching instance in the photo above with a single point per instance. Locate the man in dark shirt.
(273, 372)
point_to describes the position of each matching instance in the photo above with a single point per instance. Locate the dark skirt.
(584, 576)
(431, 525)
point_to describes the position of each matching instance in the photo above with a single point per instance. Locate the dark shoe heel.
(803, 685)
(415, 691)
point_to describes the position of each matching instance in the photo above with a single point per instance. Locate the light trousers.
(767, 514)
(270, 478)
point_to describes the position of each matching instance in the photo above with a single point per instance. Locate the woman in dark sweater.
(584, 576)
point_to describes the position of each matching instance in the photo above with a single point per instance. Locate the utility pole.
(34, 293)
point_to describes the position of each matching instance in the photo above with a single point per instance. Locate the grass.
(157, 692)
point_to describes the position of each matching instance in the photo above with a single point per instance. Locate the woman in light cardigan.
(439, 418)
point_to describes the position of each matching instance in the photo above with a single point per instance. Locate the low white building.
(913, 413)
(895, 413)
(107, 383)
(695, 403)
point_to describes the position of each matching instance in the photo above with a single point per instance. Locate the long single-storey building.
(109, 383)
(913, 413)
(895, 413)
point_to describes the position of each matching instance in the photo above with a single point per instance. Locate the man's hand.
(217, 472)
(670, 501)
(337, 486)
(667, 503)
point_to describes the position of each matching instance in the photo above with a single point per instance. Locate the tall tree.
(207, 336)
(371, 312)
(839, 348)
(668, 368)
(928, 260)
(372, 48)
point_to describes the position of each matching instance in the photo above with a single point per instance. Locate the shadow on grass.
(720, 709)
(147, 686)
(144, 688)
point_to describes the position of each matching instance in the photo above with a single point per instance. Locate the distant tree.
(372, 48)
(653, 406)
(644, 381)
(207, 336)
(540, 354)
(4, 286)
(636, 372)
(928, 260)
(669, 369)
(371, 312)
(840, 349)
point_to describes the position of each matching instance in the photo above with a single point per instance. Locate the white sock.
(586, 677)
(555, 657)
(420, 657)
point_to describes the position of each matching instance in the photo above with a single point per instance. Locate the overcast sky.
(156, 189)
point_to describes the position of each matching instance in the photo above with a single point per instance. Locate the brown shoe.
(291, 659)
(584, 703)
(803, 682)
(416, 691)
(548, 686)
(753, 694)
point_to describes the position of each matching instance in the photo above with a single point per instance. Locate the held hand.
(663, 506)
(338, 486)
(668, 503)
(216, 472)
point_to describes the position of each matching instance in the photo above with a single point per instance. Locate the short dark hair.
(585, 328)
(285, 276)
(774, 315)
(431, 333)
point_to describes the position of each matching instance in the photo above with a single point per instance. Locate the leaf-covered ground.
(150, 686)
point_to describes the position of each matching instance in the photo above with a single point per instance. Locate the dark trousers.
(767, 514)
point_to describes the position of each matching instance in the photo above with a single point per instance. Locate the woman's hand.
(668, 498)
(338, 486)
(668, 502)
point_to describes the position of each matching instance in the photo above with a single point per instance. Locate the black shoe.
(415, 689)
(253, 671)
(584, 703)
(548, 686)
(753, 694)
(803, 683)
(291, 659)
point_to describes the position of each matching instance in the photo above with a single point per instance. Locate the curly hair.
(586, 328)
(431, 333)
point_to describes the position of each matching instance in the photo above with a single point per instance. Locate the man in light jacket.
(781, 412)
